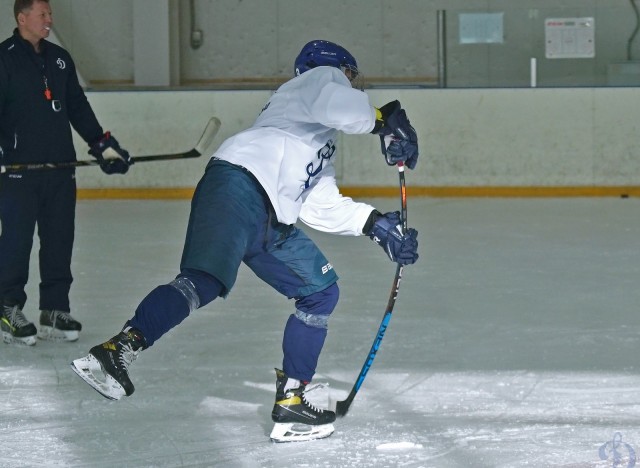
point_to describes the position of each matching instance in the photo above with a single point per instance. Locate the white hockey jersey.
(290, 149)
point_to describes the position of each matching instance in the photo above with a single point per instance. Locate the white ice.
(514, 342)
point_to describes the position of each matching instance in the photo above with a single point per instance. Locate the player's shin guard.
(306, 331)
(168, 305)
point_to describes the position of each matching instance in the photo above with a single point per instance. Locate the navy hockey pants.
(232, 222)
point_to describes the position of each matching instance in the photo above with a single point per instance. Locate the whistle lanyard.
(40, 62)
(47, 92)
(56, 105)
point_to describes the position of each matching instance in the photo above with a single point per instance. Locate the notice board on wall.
(569, 38)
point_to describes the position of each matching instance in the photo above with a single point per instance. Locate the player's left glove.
(398, 139)
(385, 231)
(112, 158)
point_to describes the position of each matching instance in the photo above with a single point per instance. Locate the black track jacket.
(31, 131)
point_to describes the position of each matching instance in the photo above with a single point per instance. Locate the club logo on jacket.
(324, 153)
(61, 64)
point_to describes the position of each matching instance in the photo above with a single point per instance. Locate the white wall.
(392, 39)
(472, 137)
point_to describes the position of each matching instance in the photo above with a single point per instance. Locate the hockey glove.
(385, 231)
(398, 139)
(112, 158)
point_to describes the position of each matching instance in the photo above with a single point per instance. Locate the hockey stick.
(210, 131)
(343, 406)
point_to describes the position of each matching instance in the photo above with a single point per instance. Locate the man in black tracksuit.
(40, 98)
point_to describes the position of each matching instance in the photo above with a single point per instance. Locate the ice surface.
(514, 342)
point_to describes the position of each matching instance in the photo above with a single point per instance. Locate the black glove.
(385, 231)
(112, 158)
(398, 139)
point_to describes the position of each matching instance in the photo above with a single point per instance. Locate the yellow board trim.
(497, 191)
(179, 193)
(185, 193)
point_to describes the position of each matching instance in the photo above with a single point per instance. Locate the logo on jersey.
(61, 64)
(314, 167)
(327, 268)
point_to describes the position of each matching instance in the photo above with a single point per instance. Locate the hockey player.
(256, 186)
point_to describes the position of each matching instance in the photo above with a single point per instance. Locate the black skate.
(56, 325)
(15, 327)
(295, 418)
(105, 368)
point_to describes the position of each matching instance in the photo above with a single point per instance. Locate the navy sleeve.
(5, 133)
(81, 115)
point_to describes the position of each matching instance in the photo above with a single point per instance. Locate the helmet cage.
(353, 74)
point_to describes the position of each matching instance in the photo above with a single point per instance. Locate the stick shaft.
(207, 137)
(93, 162)
(342, 407)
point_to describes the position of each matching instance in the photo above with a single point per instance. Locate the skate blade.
(297, 432)
(10, 339)
(88, 369)
(53, 334)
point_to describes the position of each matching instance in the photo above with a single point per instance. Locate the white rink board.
(468, 137)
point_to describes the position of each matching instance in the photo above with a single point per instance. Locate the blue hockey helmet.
(320, 53)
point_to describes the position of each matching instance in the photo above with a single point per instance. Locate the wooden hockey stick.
(210, 131)
(342, 407)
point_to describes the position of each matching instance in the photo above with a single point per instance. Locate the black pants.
(46, 199)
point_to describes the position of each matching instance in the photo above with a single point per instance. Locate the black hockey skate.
(15, 327)
(56, 325)
(106, 366)
(295, 418)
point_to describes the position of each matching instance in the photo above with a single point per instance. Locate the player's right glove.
(112, 158)
(398, 139)
(386, 232)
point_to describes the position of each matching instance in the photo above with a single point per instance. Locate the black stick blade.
(342, 407)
